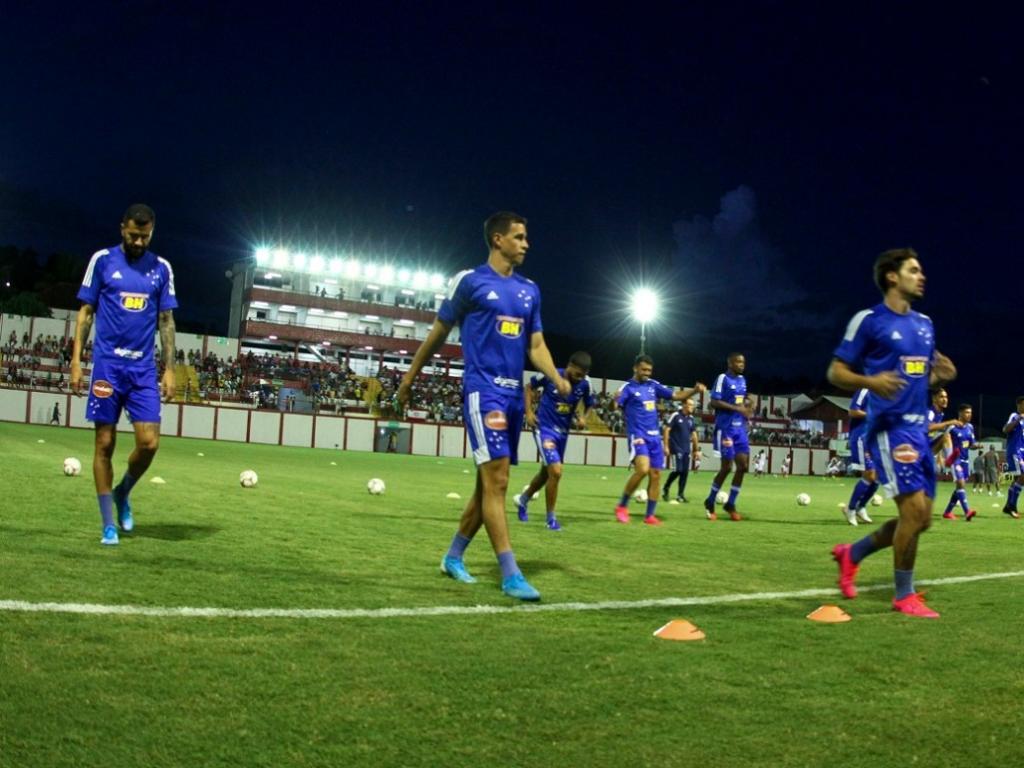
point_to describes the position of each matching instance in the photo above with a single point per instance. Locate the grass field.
(567, 685)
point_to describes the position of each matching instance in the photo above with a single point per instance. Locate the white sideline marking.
(455, 610)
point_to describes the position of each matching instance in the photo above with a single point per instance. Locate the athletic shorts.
(494, 421)
(903, 461)
(115, 386)
(860, 458)
(650, 446)
(729, 442)
(991, 475)
(1015, 462)
(961, 471)
(551, 445)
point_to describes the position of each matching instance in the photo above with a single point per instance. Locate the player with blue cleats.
(124, 509)
(518, 587)
(109, 536)
(456, 569)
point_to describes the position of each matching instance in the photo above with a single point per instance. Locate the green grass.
(572, 688)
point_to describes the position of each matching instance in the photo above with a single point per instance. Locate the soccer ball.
(876, 500)
(722, 497)
(248, 479)
(640, 495)
(532, 498)
(803, 499)
(72, 467)
(375, 486)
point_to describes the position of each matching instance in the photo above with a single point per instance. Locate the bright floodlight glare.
(419, 280)
(281, 258)
(370, 270)
(352, 268)
(404, 276)
(437, 280)
(299, 260)
(262, 256)
(335, 266)
(316, 264)
(387, 275)
(645, 305)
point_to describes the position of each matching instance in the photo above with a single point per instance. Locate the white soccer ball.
(722, 497)
(532, 498)
(640, 495)
(876, 500)
(803, 499)
(248, 479)
(72, 467)
(375, 486)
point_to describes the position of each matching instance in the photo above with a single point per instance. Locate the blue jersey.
(680, 430)
(963, 438)
(1015, 440)
(639, 403)
(729, 389)
(497, 316)
(554, 411)
(128, 296)
(859, 402)
(878, 340)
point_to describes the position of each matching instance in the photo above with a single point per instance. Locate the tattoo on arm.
(167, 338)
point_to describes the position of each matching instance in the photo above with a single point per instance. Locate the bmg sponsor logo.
(905, 454)
(102, 388)
(496, 420)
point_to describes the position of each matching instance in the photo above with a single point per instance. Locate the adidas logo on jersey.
(492, 295)
(117, 275)
(896, 335)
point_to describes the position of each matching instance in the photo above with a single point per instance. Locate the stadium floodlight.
(404, 276)
(317, 264)
(352, 269)
(437, 281)
(387, 275)
(281, 258)
(644, 304)
(262, 256)
(336, 266)
(299, 260)
(419, 280)
(370, 270)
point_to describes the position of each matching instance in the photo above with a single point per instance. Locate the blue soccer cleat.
(518, 587)
(109, 536)
(553, 524)
(124, 510)
(456, 569)
(520, 500)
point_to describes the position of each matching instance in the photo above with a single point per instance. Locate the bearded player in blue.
(890, 350)
(962, 436)
(129, 291)
(498, 313)
(554, 418)
(638, 400)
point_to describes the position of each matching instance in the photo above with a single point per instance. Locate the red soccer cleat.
(622, 514)
(913, 605)
(651, 520)
(847, 570)
(970, 515)
(733, 513)
(949, 515)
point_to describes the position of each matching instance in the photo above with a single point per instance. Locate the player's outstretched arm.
(683, 394)
(942, 371)
(168, 385)
(540, 356)
(885, 384)
(438, 333)
(83, 327)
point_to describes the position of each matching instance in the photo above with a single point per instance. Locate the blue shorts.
(961, 471)
(729, 442)
(905, 462)
(860, 458)
(1015, 462)
(649, 446)
(115, 386)
(494, 421)
(551, 445)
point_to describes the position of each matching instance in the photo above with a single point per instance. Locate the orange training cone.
(679, 629)
(829, 614)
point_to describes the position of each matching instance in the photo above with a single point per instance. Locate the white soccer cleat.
(862, 515)
(850, 514)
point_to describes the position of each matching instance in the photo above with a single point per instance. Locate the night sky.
(748, 160)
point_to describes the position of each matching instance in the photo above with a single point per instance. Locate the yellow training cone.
(829, 614)
(679, 629)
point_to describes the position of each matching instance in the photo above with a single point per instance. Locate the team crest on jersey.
(102, 388)
(496, 420)
(914, 367)
(510, 327)
(905, 454)
(564, 408)
(134, 302)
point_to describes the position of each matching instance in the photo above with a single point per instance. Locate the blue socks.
(904, 583)
(651, 504)
(859, 495)
(106, 508)
(734, 491)
(507, 561)
(713, 495)
(861, 549)
(624, 501)
(127, 483)
(458, 547)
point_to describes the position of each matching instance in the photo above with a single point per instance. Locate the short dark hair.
(891, 261)
(965, 407)
(1020, 400)
(580, 359)
(140, 214)
(499, 224)
(643, 359)
(933, 393)
(733, 355)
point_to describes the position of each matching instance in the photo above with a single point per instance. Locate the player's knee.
(554, 472)
(149, 444)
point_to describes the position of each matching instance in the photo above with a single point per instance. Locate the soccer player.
(1014, 429)
(638, 399)
(962, 436)
(992, 470)
(555, 416)
(680, 442)
(732, 412)
(498, 312)
(760, 464)
(939, 428)
(890, 350)
(860, 461)
(129, 292)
